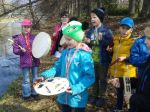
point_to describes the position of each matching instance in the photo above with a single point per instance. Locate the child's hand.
(100, 36)
(40, 79)
(60, 49)
(54, 34)
(23, 49)
(109, 49)
(115, 82)
(121, 59)
(86, 40)
(127, 98)
(69, 90)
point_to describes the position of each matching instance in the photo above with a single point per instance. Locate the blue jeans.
(26, 87)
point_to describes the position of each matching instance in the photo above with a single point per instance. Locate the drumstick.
(14, 43)
(114, 62)
(127, 88)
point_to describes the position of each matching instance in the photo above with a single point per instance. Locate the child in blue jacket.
(140, 101)
(139, 54)
(76, 65)
(99, 38)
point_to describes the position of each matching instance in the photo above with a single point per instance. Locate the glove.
(49, 73)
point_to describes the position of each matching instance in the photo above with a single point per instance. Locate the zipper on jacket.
(69, 60)
(117, 56)
(27, 40)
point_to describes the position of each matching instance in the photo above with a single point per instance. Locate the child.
(140, 101)
(22, 46)
(121, 52)
(57, 35)
(99, 38)
(76, 65)
(139, 54)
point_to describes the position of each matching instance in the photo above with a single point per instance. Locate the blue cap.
(127, 21)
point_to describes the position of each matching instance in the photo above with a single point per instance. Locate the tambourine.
(41, 45)
(52, 86)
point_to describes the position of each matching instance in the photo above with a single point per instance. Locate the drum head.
(52, 86)
(41, 45)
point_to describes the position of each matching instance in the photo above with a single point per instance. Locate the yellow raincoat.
(121, 48)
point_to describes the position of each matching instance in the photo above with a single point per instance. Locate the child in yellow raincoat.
(120, 66)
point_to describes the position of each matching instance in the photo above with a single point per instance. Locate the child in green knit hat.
(76, 65)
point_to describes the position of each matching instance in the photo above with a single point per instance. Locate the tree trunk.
(138, 8)
(88, 7)
(35, 24)
(99, 3)
(76, 7)
(16, 8)
(79, 8)
(132, 4)
(3, 6)
(72, 7)
(146, 9)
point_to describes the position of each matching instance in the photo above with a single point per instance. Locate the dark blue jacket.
(139, 54)
(140, 101)
(105, 56)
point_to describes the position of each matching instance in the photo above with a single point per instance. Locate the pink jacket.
(57, 29)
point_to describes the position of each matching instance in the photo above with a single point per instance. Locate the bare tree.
(132, 7)
(19, 7)
(135, 7)
(146, 9)
(35, 24)
(79, 7)
(3, 6)
(99, 3)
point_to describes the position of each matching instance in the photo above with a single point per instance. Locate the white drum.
(41, 45)
(52, 86)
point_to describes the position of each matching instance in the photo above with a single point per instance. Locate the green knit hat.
(74, 30)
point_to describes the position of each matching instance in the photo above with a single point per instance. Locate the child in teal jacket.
(76, 65)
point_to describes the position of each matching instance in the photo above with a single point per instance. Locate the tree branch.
(16, 8)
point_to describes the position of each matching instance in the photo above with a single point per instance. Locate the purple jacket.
(26, 58)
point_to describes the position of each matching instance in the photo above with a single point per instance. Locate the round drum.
(41, 45)
(52, 86)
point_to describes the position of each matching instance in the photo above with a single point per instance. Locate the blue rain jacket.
(80, 76)
(139, 55)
